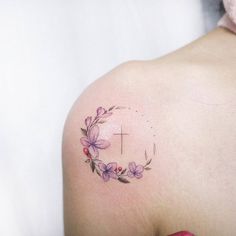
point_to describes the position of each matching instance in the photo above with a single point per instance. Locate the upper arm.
(97, 199)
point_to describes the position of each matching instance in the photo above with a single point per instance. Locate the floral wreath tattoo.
(92, 144)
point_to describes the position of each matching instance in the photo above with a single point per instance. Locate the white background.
(50, 50)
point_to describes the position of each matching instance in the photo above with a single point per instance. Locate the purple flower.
(108, 171)
(135, 170)
(93, 143)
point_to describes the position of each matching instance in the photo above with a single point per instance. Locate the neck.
(219, 44)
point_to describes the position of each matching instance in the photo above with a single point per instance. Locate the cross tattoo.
(121, 139)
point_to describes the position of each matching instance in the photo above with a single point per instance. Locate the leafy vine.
(92, 145)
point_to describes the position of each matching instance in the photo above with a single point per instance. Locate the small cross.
(121, 139)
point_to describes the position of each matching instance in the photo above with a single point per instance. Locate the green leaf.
(84, 131)
(147, 168)
(98, 172)
(92, 165)
(120, 107)
(146, 156)
(123, 171)
(149, 162)
(101, 121)
(123, 180)
(111, 108)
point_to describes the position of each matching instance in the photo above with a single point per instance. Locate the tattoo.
(92, 145)
(154, 149)
(121, 139)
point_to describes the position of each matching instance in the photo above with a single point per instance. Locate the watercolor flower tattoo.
(108, 171)
(92, 144)
(135, 170)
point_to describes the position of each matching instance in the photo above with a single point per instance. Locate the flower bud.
(86, 151)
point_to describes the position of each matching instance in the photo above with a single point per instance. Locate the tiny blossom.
(135, 170)
(108, 171)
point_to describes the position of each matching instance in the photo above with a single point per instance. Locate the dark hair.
(221, 8)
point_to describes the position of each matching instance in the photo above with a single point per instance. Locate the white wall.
(50, 50)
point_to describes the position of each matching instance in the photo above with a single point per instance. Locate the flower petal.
(85, 142)
(93, 151)
(105, 176)
(139, 169)
(132, 166)
(113, 175)
(111, 166)
(138, 175)
(100, 111)
(93, 134)
(102, 166)
(88, 121)
(130, 174)
(102, 144)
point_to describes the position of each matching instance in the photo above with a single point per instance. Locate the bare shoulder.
(109, 153)
(138, 144)
(145, 150)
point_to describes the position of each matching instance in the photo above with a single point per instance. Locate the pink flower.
(100, 111)
(108, 171)
(103, 113)
(93, 143)
(135, 170)
(88, 121)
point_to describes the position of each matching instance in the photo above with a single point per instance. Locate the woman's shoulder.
(110, 156)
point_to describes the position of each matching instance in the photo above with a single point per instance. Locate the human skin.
(189, 97)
